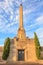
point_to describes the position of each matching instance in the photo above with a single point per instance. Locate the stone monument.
(22, 48)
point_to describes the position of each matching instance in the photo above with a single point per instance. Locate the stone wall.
(1, 52)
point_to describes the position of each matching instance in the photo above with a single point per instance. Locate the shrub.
(6, 49)
(37, 45)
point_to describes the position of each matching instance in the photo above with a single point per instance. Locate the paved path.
(22, 64)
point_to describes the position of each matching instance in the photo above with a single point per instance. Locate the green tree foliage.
(37, 44)
(6, 49)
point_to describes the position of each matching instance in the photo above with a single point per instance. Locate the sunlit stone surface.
(22, 48)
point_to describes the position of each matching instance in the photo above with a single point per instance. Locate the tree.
(37, 45)
(6, 49)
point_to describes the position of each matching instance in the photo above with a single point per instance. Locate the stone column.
(21, 16)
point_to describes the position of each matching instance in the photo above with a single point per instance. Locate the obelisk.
(21, 31)
(21, 16)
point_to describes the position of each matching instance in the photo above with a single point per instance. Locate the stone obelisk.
(21, 31)
(21, 16)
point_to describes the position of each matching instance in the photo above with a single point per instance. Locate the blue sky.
(32, 18)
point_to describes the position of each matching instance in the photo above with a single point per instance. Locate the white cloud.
(13, 19)
(32, 26)
(17, 2)
(12, 15)
(8, 7)
(40, 32)
(27, 11)
(41, 41)
(17, 17)
(39, 19)
(40, 35)
(23, 0)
